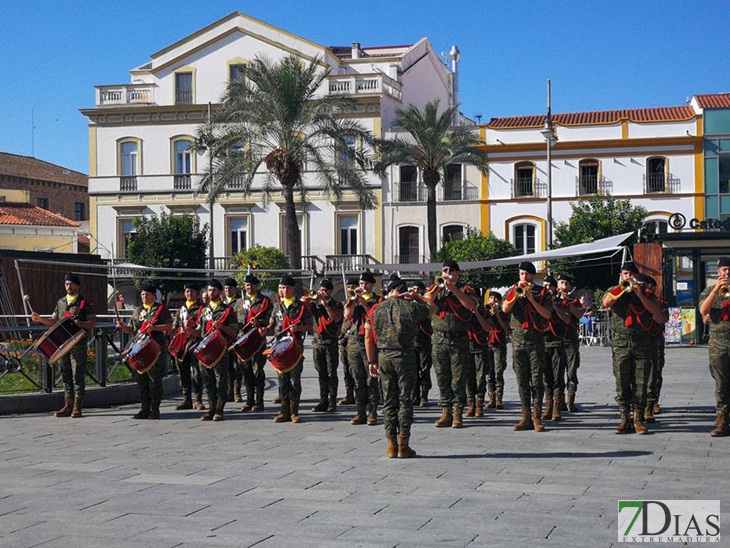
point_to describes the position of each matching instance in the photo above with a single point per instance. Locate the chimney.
(356, 50)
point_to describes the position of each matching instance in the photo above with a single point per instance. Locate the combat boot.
(446, 418)
(285, 413)
(639, 426)
(548, 409)
(143, 413)
(332, 407)
(321, 407)
(187, 403)
(218, 416)
(372, 419)
(237, 392)
(537, 418)
(723, 429)
(571, 403)
(359, 417)
(526, 422)
(65, 411)
(391, 450)
(556, 411)
(479, 412)
(76, 413)
(198, 402)
(657, 409)
(492, 403)
(457, 421)
(625, 426)
(716, 421)
(404, 451)
(649, 413)
(154, 410)
(563, 406)
(498, 403)
(349, 398)
(276, 399)
(259, 405)
(294, 410)
(211, 411)
(470, 407)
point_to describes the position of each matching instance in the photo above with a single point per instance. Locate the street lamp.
(548, 132)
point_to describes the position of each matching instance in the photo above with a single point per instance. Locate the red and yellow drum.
(284, 354)
(247, 345)
(59, 340)
(211, 349)
(180, 345)
(143, 354)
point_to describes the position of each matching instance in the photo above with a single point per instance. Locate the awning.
(612, 244)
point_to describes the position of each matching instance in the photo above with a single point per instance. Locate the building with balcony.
(140, 135)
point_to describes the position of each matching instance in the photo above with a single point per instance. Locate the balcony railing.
(348, 263)
(131, 94)
(592, 185)
(413, 258)
(128, 183)
(527, 187)
(184, 97)
(182, 182)
(659, 183)
(411, 191)
(365, 84)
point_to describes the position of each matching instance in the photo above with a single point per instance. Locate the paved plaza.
(109, 481)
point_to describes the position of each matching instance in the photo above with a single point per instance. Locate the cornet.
(522, 291)
(440, 281)
(351, 295)
(724, 291)
(628, 285)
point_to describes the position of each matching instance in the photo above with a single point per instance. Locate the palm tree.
(275, 120)
(434, 143)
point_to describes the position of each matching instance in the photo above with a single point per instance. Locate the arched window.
(129, 162)
(523, 238)
(182, 162)
(451, 233)
(656, 175)
(524, 181)
(588, 177)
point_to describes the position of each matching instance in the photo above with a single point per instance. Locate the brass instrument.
(350, 294)
(628, 285)
(724, 291)
(312, 295)
(522, 291)
(440, 281)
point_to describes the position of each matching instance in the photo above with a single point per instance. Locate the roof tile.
(12, 213)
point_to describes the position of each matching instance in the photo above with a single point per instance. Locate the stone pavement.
(109, 481)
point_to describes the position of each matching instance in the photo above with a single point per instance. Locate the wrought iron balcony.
(660, 183)
(527, 187)
(348, 263)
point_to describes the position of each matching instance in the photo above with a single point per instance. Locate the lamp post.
(548, 132)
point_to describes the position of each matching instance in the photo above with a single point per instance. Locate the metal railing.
(659, 183)
(348, 263)
(410, 259)
(413, 191)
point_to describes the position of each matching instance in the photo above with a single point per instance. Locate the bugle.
(522, 291)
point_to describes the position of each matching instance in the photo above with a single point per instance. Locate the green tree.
(599, 217)
(278, 121)
(260, 259)
(434, 143)
(168, 241)
(476, 247)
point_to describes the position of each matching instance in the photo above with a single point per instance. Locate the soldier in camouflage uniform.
(186, 321)
(572, 343)
(235, 372)
(478, 369)
(657, 349)
(153, 319)
(391, 330)
(556, 356)
(715, 304)
(631, 321)
(497, 351)
(345, 330)
(530, 306)
(73, 364)
(450, 342)
(424, 360)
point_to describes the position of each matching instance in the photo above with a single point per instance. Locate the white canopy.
(611, 244)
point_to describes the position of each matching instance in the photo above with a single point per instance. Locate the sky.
(600, 55)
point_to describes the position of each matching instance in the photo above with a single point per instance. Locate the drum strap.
(254, 312)
(67, 314)
(149, 323)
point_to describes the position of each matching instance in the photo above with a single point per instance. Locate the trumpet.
(493, 309)
(628, 285)
(351, 295)
(724, 291)
(440, 281)
(522, 291)
(312, 295)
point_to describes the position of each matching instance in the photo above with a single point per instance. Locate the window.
(724, 170)
(524, 238)
(42, 202)
(408, 190)
(345, 156)
(587, 177)
(127, 233)
(656, 175)
(184, 88)
(524, 184)
(653, 228)
(238, 233)
(348, 235)
(128, 164)
(79, 211)
(237, 73)
(452, 182)
(409, 245)
(451, 233)
(183, 164)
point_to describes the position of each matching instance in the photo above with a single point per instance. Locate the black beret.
(230, 282)
(550, 280)
(215, 283)
(723, 261)
(642, 279)
(566, 277)
(73, 278)
(630, 266)
(148, 287)
(419, 284)
(495, 294)
(451, 265)
(527, 266)
(395, 283)
(326, 284)
(192, 285)
(352, 281)
(367, 277)
(287, 280)
(251, 279)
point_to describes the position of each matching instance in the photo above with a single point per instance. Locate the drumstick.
(26, 298)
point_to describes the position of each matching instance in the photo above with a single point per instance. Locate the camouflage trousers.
(290, 384)
(556, 360)
(150, 383)
(450, 362)
(497, 358)
(216, 383)
(190, 376)
(572, 351)
(656, 378)
(631, 367)
(720, 369)
(528, 362)
(367, 388)
(73, 370)
(346, 376)
(476, 374)
(325, 363)
(396, 377)
(254, 378)
(422, 377)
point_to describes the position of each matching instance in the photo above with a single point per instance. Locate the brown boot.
(571, 403)
(446, 418)
(548, 409)
(76, 413)
(639, 425)
(321, 407)
(349, 399)
(372, 419)
(625, 426)
(649, 413)
(563, 406)
(498, 403)
(359, 417)
(723, 429)
(65, 411)
(198, 402)
(657, 409)
(211, 411)
(537, 418)
(285, 414)
(187, 403)
(479, 412)
(526, 422)
(470, 407)
(556, 411)
(276, 399)
(332, 406)
(404, 451)
(492, 403)
(391, 450)
(294, 410)
(456, 420)
(237, 392)
(718, 415)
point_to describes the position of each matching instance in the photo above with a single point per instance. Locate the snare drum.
(59, 340)
(143, 354)
(211, 349)
(284, 354)
(180, 345)
(247, 345)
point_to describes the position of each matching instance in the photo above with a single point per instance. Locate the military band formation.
(220, 342)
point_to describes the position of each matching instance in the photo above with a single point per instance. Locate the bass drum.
(143, 354)
(211, 349)
(59, 340)
(284, 354)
